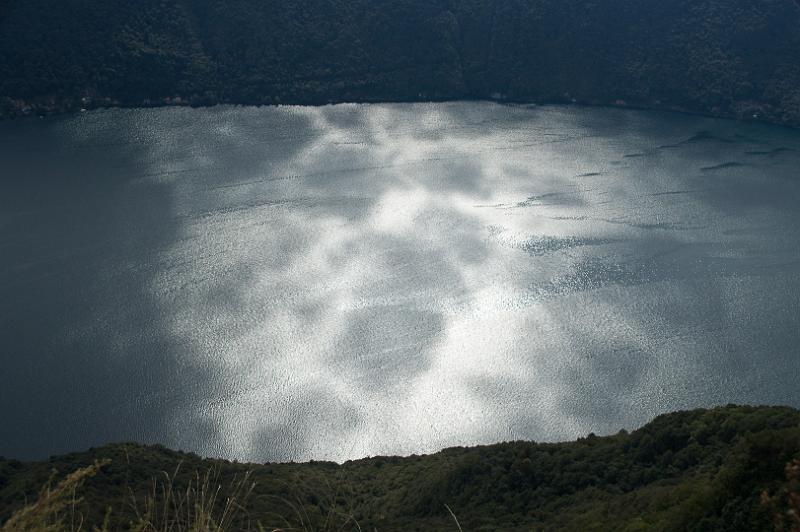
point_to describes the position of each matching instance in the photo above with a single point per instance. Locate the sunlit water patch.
(336, 282)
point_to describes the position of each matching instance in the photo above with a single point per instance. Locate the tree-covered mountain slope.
(725, 57)
(732, 468)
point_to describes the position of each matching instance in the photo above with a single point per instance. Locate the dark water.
(296, 283)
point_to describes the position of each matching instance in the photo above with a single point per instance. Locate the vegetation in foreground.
(732, 468)
(723, 57)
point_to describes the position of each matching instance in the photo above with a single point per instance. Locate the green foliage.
(725, 57)
(719, 469)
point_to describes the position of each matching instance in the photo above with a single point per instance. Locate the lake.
(300, 283)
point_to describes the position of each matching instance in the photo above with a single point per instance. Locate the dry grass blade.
(454, 518)
(50, 511)
(198, 508)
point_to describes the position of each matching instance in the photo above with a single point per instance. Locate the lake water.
(303, 283)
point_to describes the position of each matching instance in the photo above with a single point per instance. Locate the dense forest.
(723, 57)
(731, 468)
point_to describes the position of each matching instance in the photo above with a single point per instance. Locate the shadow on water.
(79, 328)
(87, 211)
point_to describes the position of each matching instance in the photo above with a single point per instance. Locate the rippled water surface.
(336, 282)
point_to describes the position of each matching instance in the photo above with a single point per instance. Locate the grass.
(203, 505)
(199, 507)
(56, 507)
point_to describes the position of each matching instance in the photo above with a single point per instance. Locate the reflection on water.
(297, 283)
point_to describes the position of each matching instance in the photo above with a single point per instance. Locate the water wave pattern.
(335, 282)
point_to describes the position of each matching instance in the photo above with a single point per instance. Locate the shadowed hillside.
(723, 57)
(721, 469)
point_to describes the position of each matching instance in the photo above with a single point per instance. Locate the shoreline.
(48, 111)
(112, 446)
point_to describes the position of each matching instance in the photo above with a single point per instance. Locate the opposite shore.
(746, 111)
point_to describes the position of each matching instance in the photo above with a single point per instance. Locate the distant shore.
(746, 112)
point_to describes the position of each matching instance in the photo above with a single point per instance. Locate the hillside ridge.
(718, 469)
(731, 58)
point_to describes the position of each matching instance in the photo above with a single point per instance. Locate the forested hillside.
(725, 57)
(733, 468)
